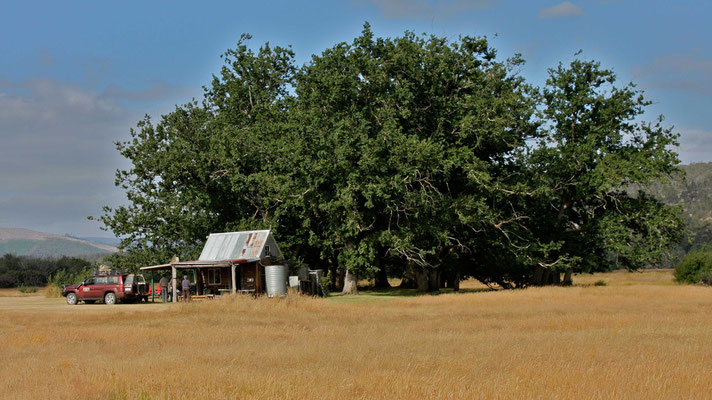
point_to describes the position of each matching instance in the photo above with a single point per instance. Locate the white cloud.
(160, 90)
(561, 10)
(39, 100)
(427, 9)
(695, 145)
(57, 152)
(57, 157)
(685, 72)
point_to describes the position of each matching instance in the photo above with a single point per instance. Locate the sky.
(76, 76)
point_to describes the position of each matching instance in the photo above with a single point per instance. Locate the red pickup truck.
(109, 288)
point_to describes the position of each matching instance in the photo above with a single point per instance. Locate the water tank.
(276, 280)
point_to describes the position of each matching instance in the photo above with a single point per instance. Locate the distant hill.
(25, 242)
(693, 191)
(113, 242)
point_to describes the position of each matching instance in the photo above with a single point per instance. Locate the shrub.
(64, 277)
(326, 284)
(695, 267)
(7, 280)
(600, 283)
(27, 289)
(53, 291)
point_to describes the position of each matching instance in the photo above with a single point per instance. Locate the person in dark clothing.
(185, 286)
(163, 283)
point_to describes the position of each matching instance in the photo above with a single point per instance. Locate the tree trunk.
(538, 275)
(454, 281)
(427, 279)
(381, 279)
(410, 280)
(421, 278)
(334, 277)
(450, 280)
(567, 277)
(545, 276)
(340, 280)
(433, 279)
(350, 283)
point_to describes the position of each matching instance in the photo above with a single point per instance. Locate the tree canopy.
(415, 156)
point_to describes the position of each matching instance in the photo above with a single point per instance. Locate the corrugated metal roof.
(240, 245)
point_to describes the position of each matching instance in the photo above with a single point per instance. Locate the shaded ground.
(367, 294)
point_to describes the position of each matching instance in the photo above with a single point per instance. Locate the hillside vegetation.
(19, 271)
(692, 191)
(25, 242)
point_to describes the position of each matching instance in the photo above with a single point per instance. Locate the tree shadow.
(402, 292)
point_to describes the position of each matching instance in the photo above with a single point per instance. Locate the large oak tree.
(412, 156)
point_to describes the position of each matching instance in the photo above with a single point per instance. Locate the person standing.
(163, 283)
(185, 285)
(170, 290)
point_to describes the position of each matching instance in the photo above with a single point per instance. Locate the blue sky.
(76, 76)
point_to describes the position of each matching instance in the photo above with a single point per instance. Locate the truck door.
(85, 292)
(101, 285)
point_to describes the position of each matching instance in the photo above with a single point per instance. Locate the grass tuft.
(52, 291)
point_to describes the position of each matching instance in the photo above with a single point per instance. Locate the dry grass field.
(638, 337)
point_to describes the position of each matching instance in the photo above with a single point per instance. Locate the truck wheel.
(110, 298)
(71, 299)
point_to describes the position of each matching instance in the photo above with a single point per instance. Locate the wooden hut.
(230, 262)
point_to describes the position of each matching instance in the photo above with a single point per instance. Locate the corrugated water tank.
(276, 280)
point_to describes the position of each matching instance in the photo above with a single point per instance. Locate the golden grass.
(629, 341)
(15, 292)
(657, 277)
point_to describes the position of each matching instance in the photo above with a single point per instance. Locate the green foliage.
(414, 152)
(593, 147)
(326, 284)
(210, 168)
(600, 283)
(409, 141)
(695, 267)
(69, 276)
(30, 271)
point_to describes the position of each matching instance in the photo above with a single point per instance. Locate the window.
(214, 276)
(114, 280)
(90, 281)
(102, 280)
